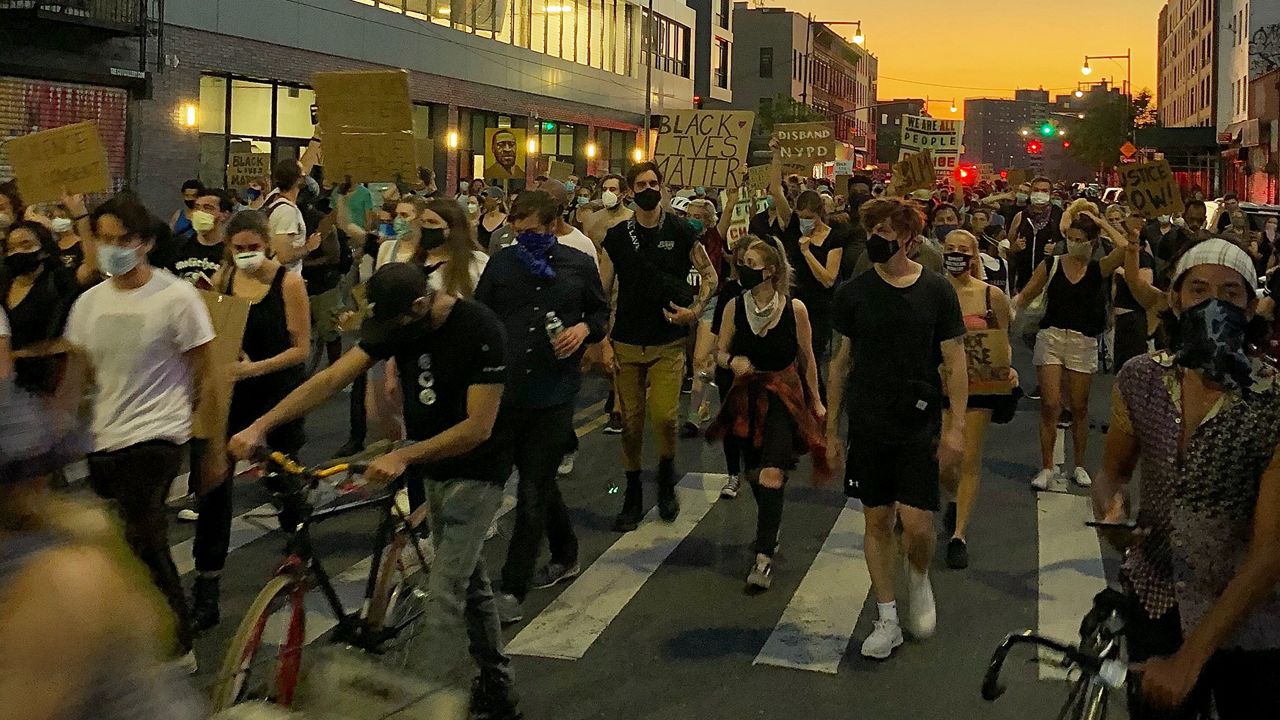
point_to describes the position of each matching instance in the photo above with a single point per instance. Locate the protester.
(567, 234)
(1200, 569)
(1034, 232)
(450, 353)
(711, 231)
(729, 288)
(995, 269)
(530, 286)
(613, 196)
(1226, 212)
(651, 256)
(896, 325)
(63, 223)
(1066, 350)
(146, 335)
(1130, 317)
(180, 223)
(493, 215)
(984, 306)
(774, 405)
(290, 242)
(12, 209)
(197, 257)
(272, 362)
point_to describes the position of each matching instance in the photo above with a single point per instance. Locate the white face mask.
(1039, 198)
(202, 222)
(1079, 249)
(114, 260)
(250, 261)
(62, 225)
(609, 198)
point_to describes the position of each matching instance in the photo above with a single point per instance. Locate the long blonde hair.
(775, 257)
(975, 265)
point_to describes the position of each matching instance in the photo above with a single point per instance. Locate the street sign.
(1128, 149)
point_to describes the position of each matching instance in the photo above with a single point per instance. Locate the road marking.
(577, 618)
(245, 528)
(814, 631)
(1071, 570)
(592, 426)
(589, 411)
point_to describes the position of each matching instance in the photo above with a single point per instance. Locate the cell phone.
(1106, 525)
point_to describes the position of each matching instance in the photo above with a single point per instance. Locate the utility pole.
(648, 78)
(804, 65)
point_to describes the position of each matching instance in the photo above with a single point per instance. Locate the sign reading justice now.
(703, 148)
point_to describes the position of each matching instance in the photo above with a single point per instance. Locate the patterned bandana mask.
(1211, 340)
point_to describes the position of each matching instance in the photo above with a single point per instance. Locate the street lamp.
(858, 37)
(1127, 57)
(1079, 93)
(1085, 69)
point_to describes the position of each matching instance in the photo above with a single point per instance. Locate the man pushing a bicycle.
(450, 354)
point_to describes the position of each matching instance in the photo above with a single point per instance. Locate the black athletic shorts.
(881, 474)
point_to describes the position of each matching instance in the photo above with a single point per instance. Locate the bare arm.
(1119, 458)
(724, 340)
(1035, 286)
(781, 204)
(726, 214)
(837, 371)
(808, 365)
(467, 435)
(297, 311)
(826, 274)
(707, 289)
(956, 368)
(606, 274)
(1141, 281)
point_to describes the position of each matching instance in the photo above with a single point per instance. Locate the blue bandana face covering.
(1211, 340)
(533, 248)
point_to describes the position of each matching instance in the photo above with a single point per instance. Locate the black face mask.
(957, 263)
(881, 248)
(648, 199)
(23, 263)
(750, 278)
(432, 238)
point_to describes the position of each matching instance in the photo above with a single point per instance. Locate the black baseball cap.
(391, 293)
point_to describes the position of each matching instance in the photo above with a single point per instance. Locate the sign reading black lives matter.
(1150, 189)
(703, 148)
(942, 138)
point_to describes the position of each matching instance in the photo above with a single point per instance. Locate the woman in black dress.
(765, 341)
(277, 338)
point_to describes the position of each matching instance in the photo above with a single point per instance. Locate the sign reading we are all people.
(942, 138)
(703, 148)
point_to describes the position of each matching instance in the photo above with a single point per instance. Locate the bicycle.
(392, 601)
(1098, 658)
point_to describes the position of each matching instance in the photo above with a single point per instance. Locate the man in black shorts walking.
(894, 327)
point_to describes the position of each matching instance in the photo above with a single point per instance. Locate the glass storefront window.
(250, 108)
(213, 104)
(293, 112)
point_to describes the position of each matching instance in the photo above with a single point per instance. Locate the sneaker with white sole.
(761, 574)
(188, 515)
(922, 613)
(554, 572)
(566, 465)
(510, 609)
(1045, 479)
(885, 637)
(1081, 477)
(731, 488)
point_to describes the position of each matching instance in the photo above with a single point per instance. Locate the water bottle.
(554, 326)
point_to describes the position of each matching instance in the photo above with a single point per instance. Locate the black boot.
(493, 700)
(668, 505)
(632, 504)
(204, 603)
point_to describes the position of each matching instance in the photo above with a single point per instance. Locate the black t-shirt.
(894, 389)
(72, 258)
(815, 295)
(1124, 299)
(437, 367)
(192, 260)
(653, 270)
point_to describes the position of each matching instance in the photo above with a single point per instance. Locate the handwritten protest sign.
(740, 220)
(758, 179)
(560, 170)
(942, 138)
(703, 148)
(987, 352)
(802, 145)
(1016, 177)
(244, 168)
(67, 159)
(913, 172)
(229, 315)
(1150, 189)
(368, 125)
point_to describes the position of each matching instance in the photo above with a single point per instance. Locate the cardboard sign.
(69, 159)
(740, 220)
(703, 148)
(245, 168)
(1150, 189)
(504, 153)
(1014, 178)
(803, 145)
(229, 315)
(943, 138)
(560, 170)
(913, 172)
(987, 353)
(842, 184)
(368, 125)
(426, 153)
(758, 179)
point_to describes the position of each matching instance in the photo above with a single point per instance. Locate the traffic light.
(697, 102)
(548, 127)
(1066, 144)
(966, 174)
(1034, 147)
(1004, 174)
(1047, 129)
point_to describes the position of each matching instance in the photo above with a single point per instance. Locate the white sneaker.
(730, 489)
(1081, 477)
(1045, 478)
(566, 465)
(922, 613)
(884, 638)
(188, 515)
(186, 664)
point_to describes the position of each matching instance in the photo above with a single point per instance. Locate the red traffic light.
(1066, 144)
(1034, 147)
(1004, 174)
(697, 102)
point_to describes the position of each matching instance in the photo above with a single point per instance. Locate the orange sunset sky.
(968, 48)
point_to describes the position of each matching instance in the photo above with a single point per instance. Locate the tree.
(1108, 121)
(1144, 109)
(783, 109)
(1264, 50)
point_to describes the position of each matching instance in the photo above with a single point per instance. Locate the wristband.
(78, 218)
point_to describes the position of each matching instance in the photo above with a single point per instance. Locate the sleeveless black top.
(1079, 306)
(266, 334)
(776, 350)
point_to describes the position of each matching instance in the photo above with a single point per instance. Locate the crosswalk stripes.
(577, 618)
(1071, 570)
(817, 624)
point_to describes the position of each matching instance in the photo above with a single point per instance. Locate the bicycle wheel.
(256, 667)
(398, 600)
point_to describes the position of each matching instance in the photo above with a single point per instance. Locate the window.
(670, 46)
(766, 62)
(721, 59)
(724, 14)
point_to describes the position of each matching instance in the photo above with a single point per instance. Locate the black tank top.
(1079, 306)
(485, 236)
(266, 333)
(771, 353)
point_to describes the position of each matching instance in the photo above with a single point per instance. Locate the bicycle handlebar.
(1111, 671)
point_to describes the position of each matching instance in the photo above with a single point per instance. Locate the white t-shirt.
(286, 219)
(577, 240)
(135, 340)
